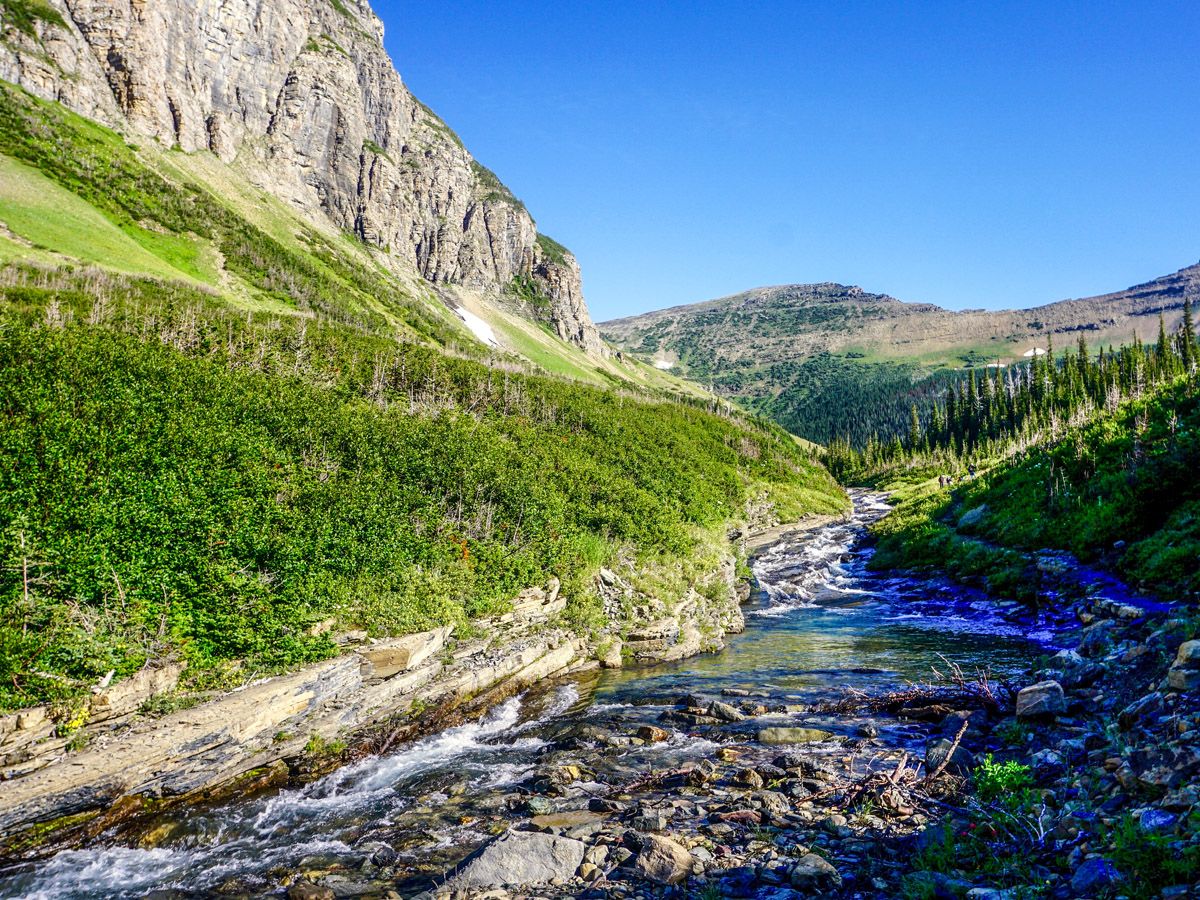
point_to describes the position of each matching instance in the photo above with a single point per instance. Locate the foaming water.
(292, 825)
(821, 624)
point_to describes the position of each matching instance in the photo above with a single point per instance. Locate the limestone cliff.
(303, 96)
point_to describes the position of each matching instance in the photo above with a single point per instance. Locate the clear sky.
(962, 153)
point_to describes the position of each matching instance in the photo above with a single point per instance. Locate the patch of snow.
(1036, 351)
(663, 364)
(479, 328)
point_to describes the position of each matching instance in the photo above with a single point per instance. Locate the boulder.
(784, 735)
(610, 656)
(1046, 698)
(1097, 638)
(1156, 820)
(518, 858)
(812, 873)
(937, 750)
(1184, 674)
(652, 734)
(973, 517)
(663, 861)
(724, 712)
(1094, 876)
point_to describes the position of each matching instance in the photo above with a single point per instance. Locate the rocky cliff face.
(303, 96)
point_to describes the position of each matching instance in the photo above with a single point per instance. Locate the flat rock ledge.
(262, 723)
(410, 683)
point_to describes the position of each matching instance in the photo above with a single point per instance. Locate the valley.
(343, 555)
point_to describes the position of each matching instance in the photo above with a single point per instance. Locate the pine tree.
(1187, 337)
(914, 429)
(1163, 349)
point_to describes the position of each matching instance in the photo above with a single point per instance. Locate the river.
(822, 624)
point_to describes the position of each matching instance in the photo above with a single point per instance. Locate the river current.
(821, 624)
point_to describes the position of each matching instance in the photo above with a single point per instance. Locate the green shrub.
(1150, 862)
(1005, 781)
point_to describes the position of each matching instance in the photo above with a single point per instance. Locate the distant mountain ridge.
(779, 349)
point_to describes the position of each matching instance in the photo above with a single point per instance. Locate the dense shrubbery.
(176, 477)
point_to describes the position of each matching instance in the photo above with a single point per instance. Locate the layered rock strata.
(304, 98)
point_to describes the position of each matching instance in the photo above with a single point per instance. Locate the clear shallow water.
(822, 624)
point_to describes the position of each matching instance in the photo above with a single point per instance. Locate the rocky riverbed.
(839, 747)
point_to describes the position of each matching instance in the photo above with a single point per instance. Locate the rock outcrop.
(302, 97)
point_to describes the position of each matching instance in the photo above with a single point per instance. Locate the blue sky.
(961, 153)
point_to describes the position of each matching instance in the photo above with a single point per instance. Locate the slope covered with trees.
(1092, 456)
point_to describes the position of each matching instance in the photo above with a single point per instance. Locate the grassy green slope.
(221, 426)
(73, 191)
(1120, 490)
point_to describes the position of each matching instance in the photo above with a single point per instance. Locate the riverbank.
(819, 754)
(127, 764)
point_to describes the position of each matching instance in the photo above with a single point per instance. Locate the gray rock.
(724, 711)
(1045, 698)
(1097, 638)
(973, 517)
(1156, 820)
(1183, 679)
(650, 821)
(785, 735)
(1047, 763)
(1094, 875)
(662, 860)
(1139, 709)
(938, 749)
(519, 858)
(812, 873)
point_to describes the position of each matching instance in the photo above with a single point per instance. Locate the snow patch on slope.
(479, 328)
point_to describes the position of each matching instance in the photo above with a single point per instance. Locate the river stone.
(938, 749)
(663, 861)
(305, 890)
(785, 735)
(652, 734)
(813, 873)
(1184, 674)
(724, 712)
(1045, 698)
(520, 857)
(1093, 876)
